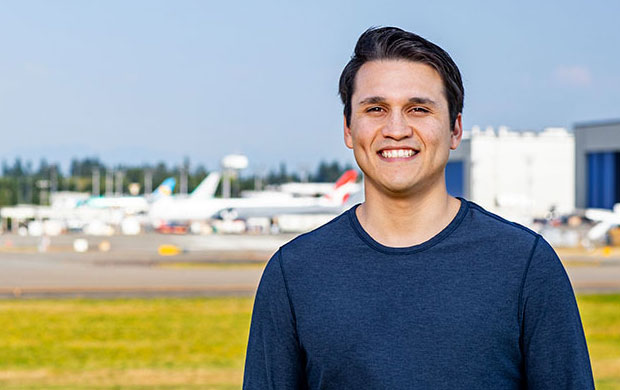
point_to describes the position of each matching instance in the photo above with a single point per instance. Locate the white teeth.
(399, 153)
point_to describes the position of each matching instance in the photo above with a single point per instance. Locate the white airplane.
(294, 190)
(141, 204)
(306, 189)
(605, 220)
(170, 210)
(131, 204)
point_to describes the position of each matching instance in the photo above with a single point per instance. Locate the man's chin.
(393, 187)
(399, 190)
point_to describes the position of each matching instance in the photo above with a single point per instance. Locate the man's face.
(400, 129)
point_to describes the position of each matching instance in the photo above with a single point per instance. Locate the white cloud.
(573, 75)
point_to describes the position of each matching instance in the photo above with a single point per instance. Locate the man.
(413, 289)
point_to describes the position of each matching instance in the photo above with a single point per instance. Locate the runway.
(211, 265)
(207, 266)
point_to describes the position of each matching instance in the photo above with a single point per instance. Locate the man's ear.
(457, 132)
(348, 138)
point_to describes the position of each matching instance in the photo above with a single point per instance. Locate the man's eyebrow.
(381, 99)
(372, 100)
(422, 100)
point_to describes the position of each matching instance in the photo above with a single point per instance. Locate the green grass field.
(601, 321)
(180, 344)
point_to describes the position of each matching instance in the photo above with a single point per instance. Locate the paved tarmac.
(207, 266)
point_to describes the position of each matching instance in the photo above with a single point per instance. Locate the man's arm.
(553, 344)
(274, 359)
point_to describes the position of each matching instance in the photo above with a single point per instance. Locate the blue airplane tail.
(165, 188)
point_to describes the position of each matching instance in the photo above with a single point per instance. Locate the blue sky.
(144, 81)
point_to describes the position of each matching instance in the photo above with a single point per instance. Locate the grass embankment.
(601, 321)
(180, 344)
(123, 344)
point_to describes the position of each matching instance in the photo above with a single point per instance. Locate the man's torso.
(370, 316)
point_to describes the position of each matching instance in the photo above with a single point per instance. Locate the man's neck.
(406, 221)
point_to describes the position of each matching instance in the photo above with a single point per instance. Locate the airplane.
(293, 190)
(131, 204)
(135, 204)
(605, 219)
(179, 211)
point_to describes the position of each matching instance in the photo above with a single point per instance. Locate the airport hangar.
(517, 174)
(597, 164)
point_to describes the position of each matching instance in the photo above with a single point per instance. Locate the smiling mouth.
(392, 154)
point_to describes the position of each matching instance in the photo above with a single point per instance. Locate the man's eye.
(419, 109)
(374, 109)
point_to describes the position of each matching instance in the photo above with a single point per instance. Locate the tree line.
(22, 183)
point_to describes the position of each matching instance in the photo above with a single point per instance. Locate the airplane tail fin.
(165, 188)
(343, 187)
(206, 189)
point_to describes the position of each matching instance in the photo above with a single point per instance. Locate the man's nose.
(397, 127)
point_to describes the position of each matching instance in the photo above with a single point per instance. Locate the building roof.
(600, 123)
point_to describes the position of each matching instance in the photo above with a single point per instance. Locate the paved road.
(212, 265)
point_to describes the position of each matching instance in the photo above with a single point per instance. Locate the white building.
(515, 174)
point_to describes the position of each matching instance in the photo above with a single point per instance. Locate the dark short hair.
(392, 43)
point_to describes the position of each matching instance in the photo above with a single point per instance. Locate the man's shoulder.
(486, 224)
(488, 219)
(322, 236)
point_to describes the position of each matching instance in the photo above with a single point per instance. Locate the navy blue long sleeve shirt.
(485, 303)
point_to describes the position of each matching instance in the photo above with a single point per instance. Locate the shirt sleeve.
(555, 354)
(273, 359)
